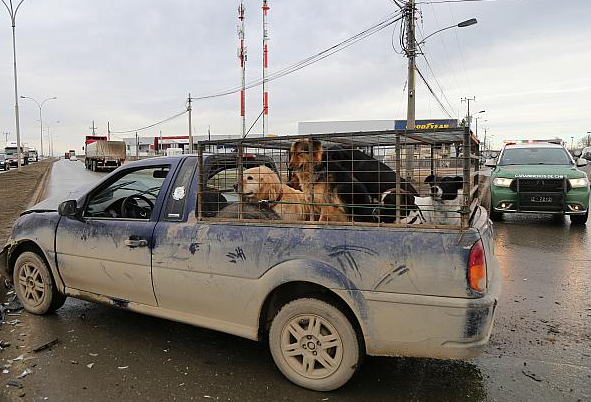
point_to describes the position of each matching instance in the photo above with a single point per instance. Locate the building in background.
(148, 146)
(327, 127)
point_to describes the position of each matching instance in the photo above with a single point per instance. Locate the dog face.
(303, 152)
(260, 183)
(444, 188)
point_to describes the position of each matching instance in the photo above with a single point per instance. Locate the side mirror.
(577, 153)
(490, 163)
(581, 162)
(68, 208)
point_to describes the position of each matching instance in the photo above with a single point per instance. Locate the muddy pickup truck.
(323, 295)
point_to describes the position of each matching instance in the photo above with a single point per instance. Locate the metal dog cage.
(420, 159)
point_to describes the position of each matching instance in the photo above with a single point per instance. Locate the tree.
(585, 141)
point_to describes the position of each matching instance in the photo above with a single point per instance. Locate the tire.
(579, 219)
(495, 216)
(34, 285)
(312, 331)
(93, 166)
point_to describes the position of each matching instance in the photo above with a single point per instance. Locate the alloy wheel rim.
(311, 346)
(31, 284)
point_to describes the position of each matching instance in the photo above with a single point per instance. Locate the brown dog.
(336, 195)
(263, 184)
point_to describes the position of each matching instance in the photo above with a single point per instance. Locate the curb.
(39, 193)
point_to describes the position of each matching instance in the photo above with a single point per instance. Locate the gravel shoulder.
(18, 190)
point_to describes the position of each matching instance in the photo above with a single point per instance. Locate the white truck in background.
(174, 151)
(103, 155)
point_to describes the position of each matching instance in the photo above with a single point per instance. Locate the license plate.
(542, 199)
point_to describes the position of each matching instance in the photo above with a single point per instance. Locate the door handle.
(133, 242)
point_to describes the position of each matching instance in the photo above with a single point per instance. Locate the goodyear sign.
(427, 124)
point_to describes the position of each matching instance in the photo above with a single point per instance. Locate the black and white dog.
(441, 207)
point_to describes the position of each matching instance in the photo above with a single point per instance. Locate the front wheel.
(34, 285)
(579, 219)
(315, 345)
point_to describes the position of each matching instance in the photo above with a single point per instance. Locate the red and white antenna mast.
(265, 67)
(242, 57)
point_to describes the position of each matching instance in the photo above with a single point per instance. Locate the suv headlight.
(502, 182)
(577, 183)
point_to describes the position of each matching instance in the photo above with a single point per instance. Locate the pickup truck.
(323, 296)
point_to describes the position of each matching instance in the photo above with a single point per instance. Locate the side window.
(131, 196)
(177, 198)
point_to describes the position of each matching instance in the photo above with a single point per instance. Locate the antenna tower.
(242, 57)
(265, 67)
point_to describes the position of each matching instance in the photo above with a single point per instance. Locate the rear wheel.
(93, 166)
(315, 345)
(34, 285)
(579, 219)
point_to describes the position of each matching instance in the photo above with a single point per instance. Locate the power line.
(435, 77)
(151, 125)
(441, 105)
(391, 19)
(464, 1)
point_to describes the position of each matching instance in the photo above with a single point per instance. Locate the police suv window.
(175, 206)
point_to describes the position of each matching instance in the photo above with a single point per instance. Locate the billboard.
(427, 124)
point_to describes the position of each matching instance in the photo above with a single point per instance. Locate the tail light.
(477, 267)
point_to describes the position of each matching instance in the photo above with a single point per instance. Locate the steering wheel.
(131, 209)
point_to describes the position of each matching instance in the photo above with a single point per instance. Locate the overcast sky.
(133, 63)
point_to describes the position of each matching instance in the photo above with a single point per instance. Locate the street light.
(12, 12)
(463, 24)
(50, 137)
(482, 111)
(40, 105)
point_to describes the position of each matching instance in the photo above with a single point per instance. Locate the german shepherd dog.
(333, 193)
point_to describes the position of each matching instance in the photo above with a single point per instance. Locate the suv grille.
(540, 185)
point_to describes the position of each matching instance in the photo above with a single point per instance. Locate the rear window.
(535, 156)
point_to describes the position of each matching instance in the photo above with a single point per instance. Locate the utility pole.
(6, 134)
(265, 67)
(12, 12)
(242, 57)
(411, 54)
(108, 131)
(190, 110)
(468, 100)
(160, 144)
(93, 128)
(137, 148)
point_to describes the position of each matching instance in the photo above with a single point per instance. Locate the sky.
(133, 63)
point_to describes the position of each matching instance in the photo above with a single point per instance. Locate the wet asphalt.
(540, 349)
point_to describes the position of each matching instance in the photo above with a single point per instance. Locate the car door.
(189, 275)
(108, 250)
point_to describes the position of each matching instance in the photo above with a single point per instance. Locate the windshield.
(535, 156)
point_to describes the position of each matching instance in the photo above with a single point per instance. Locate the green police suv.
(538, 177)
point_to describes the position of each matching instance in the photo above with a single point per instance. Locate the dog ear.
(271, 182)
(317, 150)
(430, 179)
